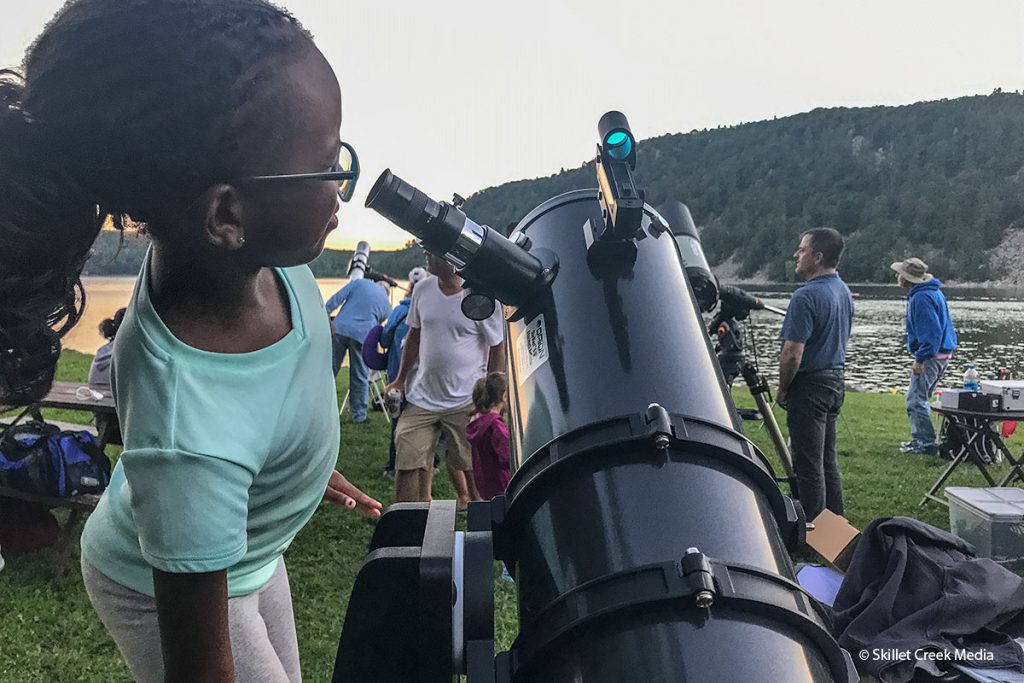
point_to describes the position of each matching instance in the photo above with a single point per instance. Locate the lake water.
(990, 325)
(104, 295)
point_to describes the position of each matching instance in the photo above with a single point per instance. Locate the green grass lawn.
(49, 633)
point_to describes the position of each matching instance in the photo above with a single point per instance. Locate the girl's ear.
(222, 217)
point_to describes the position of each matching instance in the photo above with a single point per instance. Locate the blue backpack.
(39, 458)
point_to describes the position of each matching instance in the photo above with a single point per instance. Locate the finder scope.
(622, 202)
(702, 281)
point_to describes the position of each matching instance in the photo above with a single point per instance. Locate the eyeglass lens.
(345, 163)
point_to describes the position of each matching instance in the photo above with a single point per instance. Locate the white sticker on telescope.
(531, 348)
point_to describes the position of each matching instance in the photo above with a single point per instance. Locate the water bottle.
(972, 381)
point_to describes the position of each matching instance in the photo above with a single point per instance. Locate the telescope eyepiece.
(381, 185)
(499, 268)
(407, 207)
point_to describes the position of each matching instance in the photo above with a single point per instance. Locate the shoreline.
(740, 282)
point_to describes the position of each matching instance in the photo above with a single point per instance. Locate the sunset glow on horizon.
(346, 240)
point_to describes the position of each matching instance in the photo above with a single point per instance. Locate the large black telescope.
(646, 534)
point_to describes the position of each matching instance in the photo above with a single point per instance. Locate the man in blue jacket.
(931, 341)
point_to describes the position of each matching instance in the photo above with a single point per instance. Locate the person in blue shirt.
(811, 382)
(363, 304)
(931, 340)
(396, 327)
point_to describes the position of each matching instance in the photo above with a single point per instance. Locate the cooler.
(992, 520)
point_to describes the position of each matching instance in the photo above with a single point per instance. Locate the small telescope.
(646, 534)
(360, 261)
(359, 266)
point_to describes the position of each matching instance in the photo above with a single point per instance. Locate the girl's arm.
(192, 610)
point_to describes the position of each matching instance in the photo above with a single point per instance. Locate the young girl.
(215, 123)
(488, 435)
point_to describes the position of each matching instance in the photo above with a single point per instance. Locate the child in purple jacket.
(488, 435)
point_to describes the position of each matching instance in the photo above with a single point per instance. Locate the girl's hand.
(342, 493)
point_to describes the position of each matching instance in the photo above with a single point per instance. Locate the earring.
(241, 240)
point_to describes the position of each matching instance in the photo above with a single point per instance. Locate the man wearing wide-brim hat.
(931, 340)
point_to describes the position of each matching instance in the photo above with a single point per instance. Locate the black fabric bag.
(39, 458)
(914, 589)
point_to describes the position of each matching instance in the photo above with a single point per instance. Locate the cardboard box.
(834, 539)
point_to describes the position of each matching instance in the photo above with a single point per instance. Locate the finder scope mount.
(622, 202)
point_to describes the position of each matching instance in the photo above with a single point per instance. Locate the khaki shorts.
(418, 431)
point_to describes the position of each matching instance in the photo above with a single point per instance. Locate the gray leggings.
(262, 626)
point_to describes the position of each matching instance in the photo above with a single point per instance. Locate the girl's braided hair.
(126, 109)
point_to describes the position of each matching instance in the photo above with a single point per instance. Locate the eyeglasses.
(345, 170)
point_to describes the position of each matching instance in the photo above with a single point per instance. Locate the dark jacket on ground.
(913, 586)
(929, 326)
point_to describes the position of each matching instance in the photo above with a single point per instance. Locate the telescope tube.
(606, 502)
(359, 263)
(646, 534)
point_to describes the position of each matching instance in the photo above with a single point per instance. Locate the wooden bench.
(66, 396)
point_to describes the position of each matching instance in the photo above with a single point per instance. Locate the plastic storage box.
(992, 520)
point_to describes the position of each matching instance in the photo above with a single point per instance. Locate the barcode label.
(531, 348)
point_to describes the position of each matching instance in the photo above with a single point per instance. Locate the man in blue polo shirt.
(811, 387)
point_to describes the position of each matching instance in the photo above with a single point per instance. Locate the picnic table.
(967, 432)
(66, 396)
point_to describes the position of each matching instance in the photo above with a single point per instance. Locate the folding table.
(966, 429)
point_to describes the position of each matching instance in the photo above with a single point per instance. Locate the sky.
(461, 95)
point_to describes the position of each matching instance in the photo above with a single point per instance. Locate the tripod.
(727, 328)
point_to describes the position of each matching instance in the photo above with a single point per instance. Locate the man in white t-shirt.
(450, 352)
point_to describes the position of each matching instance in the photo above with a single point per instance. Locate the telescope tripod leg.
(758, 386)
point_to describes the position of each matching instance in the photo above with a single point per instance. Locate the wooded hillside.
(940, 180)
